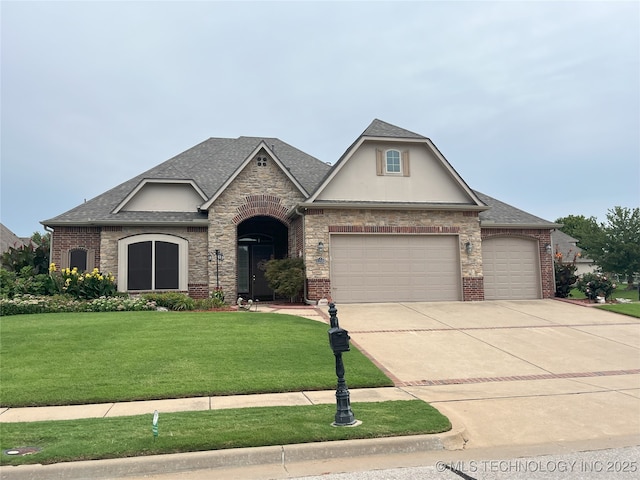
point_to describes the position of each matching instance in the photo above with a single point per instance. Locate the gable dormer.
(163, 195)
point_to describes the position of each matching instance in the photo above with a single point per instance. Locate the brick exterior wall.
(472, 289)
(318, 288)
(67, 238)
(199, 290)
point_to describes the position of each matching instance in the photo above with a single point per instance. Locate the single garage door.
(511, 268)
(394, 268)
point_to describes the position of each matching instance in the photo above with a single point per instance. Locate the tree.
(586, 230)
(619, 250)
(286, 276)
(34, 255)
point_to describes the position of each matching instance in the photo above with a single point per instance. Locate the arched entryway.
(260, 238)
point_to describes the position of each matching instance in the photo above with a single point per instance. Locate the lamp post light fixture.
(219, 258)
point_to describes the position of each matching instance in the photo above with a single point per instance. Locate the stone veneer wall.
(320, 223)
(198, 280)
(257, 190)
(546, 258)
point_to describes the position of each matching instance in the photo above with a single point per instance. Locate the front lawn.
(61, 359)
(90, 439)
(631, 309)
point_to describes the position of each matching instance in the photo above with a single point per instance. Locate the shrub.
(596, 285)
(216, 300)
(24, 304)
(286, 276)
(34, 256)
(565, 274)
(171, 300)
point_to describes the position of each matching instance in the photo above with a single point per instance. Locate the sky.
(534, 103)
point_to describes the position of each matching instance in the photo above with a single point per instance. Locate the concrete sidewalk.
(123, 409)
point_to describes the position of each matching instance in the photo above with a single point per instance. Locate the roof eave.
(393, 206)
(543, 226)
(109, 223)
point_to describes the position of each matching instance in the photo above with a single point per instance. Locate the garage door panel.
(511, 268)
(387, 268)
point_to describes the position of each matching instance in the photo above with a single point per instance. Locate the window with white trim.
(392, 162)
(152, 262)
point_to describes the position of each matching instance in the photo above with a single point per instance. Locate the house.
(391, 220)
(8, 239)
(567, 247)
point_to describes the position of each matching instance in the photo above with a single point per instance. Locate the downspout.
(304, 259)
(47, 229)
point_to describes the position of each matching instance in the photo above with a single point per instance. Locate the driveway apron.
(513, 372)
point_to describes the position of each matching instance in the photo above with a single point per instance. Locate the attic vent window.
(261, 161)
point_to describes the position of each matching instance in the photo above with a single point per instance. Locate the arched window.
(152, 262)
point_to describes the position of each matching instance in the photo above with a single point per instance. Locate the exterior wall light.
(320, 247)
(468, 247)
(547, 247)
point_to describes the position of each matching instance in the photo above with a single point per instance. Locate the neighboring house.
(391, 221)
(566, 245)
(9, 239)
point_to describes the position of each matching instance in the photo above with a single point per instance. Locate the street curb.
(282, 455)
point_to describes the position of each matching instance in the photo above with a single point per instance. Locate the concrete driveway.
(513, 372)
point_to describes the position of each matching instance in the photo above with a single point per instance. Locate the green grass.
(62, 359)
(631, 309)
(212, 430)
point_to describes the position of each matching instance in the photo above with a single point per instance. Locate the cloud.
(521, 97)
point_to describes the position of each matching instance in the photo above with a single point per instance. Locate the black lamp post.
(219, 258)
(339, 342)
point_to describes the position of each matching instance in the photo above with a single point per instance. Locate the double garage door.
(511, 268)
(395, 268)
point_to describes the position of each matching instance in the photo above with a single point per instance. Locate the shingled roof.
(209, 164)
(504, 215)
(378, 128)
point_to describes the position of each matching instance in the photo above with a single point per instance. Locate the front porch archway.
(260, 239)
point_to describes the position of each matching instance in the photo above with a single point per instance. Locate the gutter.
(304, 294)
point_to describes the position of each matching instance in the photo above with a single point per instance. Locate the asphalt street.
(619, 463)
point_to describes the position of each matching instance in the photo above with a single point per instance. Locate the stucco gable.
(158, 195)
(424, 176)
